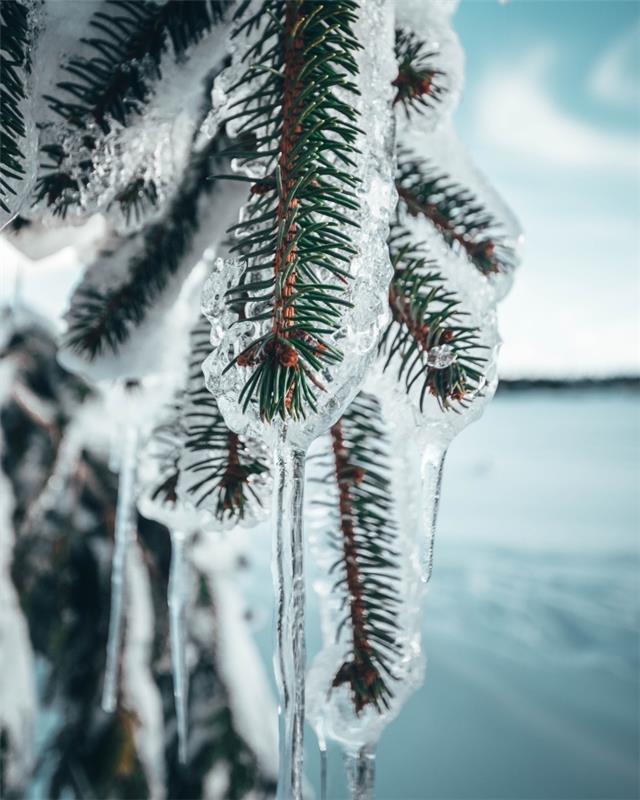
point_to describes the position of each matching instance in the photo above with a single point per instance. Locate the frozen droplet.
(441, 356)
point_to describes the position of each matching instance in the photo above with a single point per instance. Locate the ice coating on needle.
(444, 155)
(135, 167)
(223, 475)
(159, 473)
(331, 705)
(18, 172)
(423, 29)
(360, 325)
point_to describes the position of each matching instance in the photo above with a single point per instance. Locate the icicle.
(431, 478)
(125, 522)
(361, 770)
(56, 485)
(288, 578)
(178, 639)
(322, 746)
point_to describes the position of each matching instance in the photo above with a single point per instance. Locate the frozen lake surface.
(532, 616)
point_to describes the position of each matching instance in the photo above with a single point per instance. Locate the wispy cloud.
(615, 77)
(515, 113)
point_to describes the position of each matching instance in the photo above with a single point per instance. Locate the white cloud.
(515, 113)
(614, 78)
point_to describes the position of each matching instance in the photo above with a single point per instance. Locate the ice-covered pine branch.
(457, 215)
(365, 538)
(130, 46)
(17, 31)
(294, 233)
(419, 83)
(221, 471)
(102, 318)
(427, 343)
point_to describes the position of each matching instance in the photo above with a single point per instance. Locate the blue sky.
(551, 113)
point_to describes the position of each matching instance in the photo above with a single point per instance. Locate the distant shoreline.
(627, 383)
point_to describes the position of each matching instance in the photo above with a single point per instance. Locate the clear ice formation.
(331, 710)
(201, 420)
(124, 532)
(150, 152)
(178, 639)
(428, 21)
(361, 768)
(290, 650)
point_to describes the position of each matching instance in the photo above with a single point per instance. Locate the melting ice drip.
(124, 532)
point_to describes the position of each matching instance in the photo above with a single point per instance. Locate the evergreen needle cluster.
(15, 63)
(227, 464)
(458, 216)
(365, 537)
(102, 319)
(419, 85)
(425, 315)
(115, 81)
(295, 234)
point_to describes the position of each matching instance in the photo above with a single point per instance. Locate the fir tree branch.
(103, 319)
(427, 320)
(293, 235)
(419, 85)
(116, 80)
(226, 464)
(456, 213)
(15, 63)
(367, 564)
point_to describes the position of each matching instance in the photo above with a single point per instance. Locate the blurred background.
(533, 612)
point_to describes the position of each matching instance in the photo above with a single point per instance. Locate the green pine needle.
(102, 320)
(298, 117)
(458, 216)
(365, 538)
(426, 315)
(15, 44)
(419, 85)
(130, 39)
(227, 464)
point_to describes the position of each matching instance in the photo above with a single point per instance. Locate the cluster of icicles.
(417, 470)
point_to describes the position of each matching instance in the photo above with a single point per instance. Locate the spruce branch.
(427, 319)
(15, 63)
(367, 564)
(225, 464)
(458, 216)
(114, 82)
(102, 319)
(419, 85)
(293, 238)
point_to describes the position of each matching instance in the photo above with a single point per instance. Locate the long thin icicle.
(124, 531)
(361, 771)
(322, 746)
(432, 467)
(288, 578)
(178, 639)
